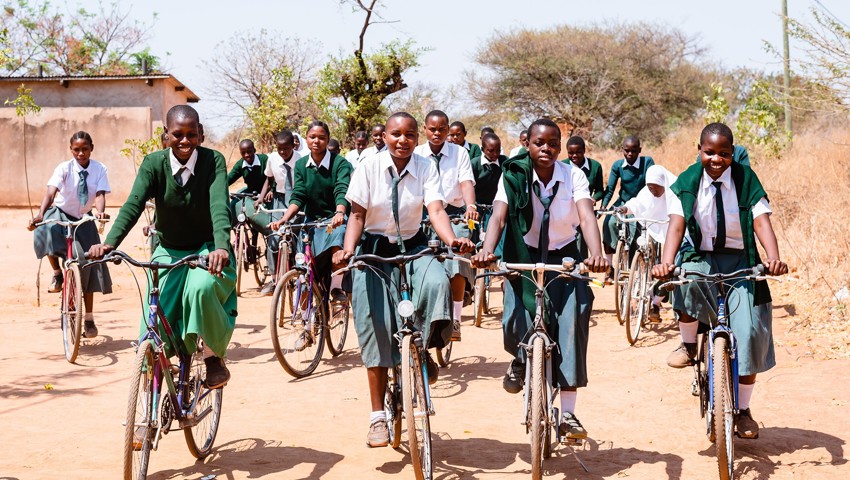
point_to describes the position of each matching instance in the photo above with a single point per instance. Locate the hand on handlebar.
(596, 264)
(483, 259)
(465, 245)
(775, 267)
(217, 260)
(96, 252)
(337, 220)
(36, 219)
(471, 214)
(663, 270)
(340, 257)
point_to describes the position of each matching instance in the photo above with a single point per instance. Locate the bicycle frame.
(722, 329)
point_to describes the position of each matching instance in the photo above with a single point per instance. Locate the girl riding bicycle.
(719, 209)
(75, 187)
(546, 200)
(387, 193)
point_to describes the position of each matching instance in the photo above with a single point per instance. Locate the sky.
(734, 31)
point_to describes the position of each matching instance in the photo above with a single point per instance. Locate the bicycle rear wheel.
(73, 312)
(139, 429)
(206, 415)
(261, 263)
(702, 386)
(538, 427)
(637, 301)
(337, 329)
(297, 341)
(723, 409)
(239, 246)
(392, 406)
(444, 355)
(480, 300)
(621, 274)
(416, 409)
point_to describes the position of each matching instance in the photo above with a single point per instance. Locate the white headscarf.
(647, 205)
(303, 150)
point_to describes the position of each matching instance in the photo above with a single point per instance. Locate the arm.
(598, 186)
(764, 231)
(220, 214)
(235, 173)
(131, 210)
(353, 232)
(590, 231)
(299, 185)
(265, 194)
(45, 204)
(613, 178)
(443, 227)
(342, 180)
(467, 188)
(100, 205)
(495, 226)
(675, 234)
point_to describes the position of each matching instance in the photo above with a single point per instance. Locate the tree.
(106, 42)
(602, 81)
(353, 88)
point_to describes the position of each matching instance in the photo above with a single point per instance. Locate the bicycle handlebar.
(569, 268)
(441, 253)
(117, 256)
(65, 223)
(262, 208)
(243, 194)
(753, 273)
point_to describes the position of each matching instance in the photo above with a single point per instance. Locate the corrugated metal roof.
(190, 95)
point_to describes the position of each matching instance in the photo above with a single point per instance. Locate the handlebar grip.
(758, 270)
(677, 272)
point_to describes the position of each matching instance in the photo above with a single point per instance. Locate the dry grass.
(809, 190)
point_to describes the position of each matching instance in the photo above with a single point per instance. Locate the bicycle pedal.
(573, 442)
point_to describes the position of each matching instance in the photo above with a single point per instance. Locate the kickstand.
(578, 459)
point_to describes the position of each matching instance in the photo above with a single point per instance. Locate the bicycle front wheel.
(337, 329)
(723, 409)
(480, 300)
(416, 409)
(538, 427)
(239, 247)
(297, 336)
(200, 434)
(392, 406)
(637, 301)
(261, 263)
(73, 312)
(139, 428)
(621, 274)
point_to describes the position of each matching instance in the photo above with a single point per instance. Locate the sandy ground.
(59, 420)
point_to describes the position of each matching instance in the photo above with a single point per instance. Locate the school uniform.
(373, 150)
(632, 179)
(743, 200)
(453, 167)
(253, 174)
(354, 157)
(373, 186)
(593, 171)
(319, 188)
(77, 188)
(282, 171)
(472, 149)
(568, 303)
(517, 151)
(487, 175)
(191, 218)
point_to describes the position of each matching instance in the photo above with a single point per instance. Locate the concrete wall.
(47, 141)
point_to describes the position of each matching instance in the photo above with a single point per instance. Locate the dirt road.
(59, 420)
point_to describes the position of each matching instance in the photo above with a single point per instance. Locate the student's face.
(631, 151)
(436, 130)
(317, 140)
(333, 148)
(185, 137)
(284, 149)
(81, 148)
(247, 151)
(544, 145)
(523, 140)
(360, 144)
(401, 137)
(296, 143)
(456, 135)
(715, 153)
(576, 154)
(492, 148)
(655, 190)
(378, 137)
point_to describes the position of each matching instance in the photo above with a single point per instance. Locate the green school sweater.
(474, 150)
(749, 191)
(632, 179)
(594, 178)
(254, 177)
(487, 179)
(187, 217)
(317, 191)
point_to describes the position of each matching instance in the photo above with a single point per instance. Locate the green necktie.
(437, 157)
(83, 188)
(720, 239)
(396, 181)
(178, 177)
(543, 242)
(288, 187)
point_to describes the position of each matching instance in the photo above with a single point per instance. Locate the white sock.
(336, 282)
(568, 401)
(458, 310)
(689, 331)
(379, 415)
(656, 300)
(745, 393)
(89, 316)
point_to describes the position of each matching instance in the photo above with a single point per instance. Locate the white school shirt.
(326, 161)
(563, 214)
(275, 168)
(455, 168)
(706, 213)
(66, 178)
(190, 165)
(371, 187)
(354, 157)
(373, 150)
(514, 152)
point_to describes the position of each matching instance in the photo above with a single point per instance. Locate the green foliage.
(271, 112)
(24, 103)
(760, 121)
(716, 106)
(137, 149)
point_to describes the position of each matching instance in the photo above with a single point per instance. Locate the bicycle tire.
(702, 385)
(139, 402)
(72, 313)
(283, 264)
(416, 410)
(286, 326)
(444, 355)
(261, 263)
(392, 406)
(480, 300)
(637, 304)
(337, 329)
(620, 295)
(538, 422)
(201, 435)
(723, 409)
(239, 252)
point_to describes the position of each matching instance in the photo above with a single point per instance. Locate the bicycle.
(639, 283)
(301, 320)
(285, 245)
(716, 366)
(196, 408)
(621, 269)
(249, 255)
(72, 307)
(408, 381)
(540, 415)
(482, 288)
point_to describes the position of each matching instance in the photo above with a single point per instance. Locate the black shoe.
(654, 313)
(89, 329)
(515, 377)
(570, 428)
(217, 373)
(432, 368)
(56, 284)
(745, 426)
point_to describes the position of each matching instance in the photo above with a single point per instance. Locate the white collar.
(585, 166)
(626, 163)
(559, 175)
(77, 168)
(326, 161)
(725, 178)
(176, 165)
(256, 162)
(386, 162)
(444, 150)
(466, 145)
(486, 161)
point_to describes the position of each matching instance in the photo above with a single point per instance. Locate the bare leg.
(88, 300)
(458, 284)
(377, 386)
(54, 262)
